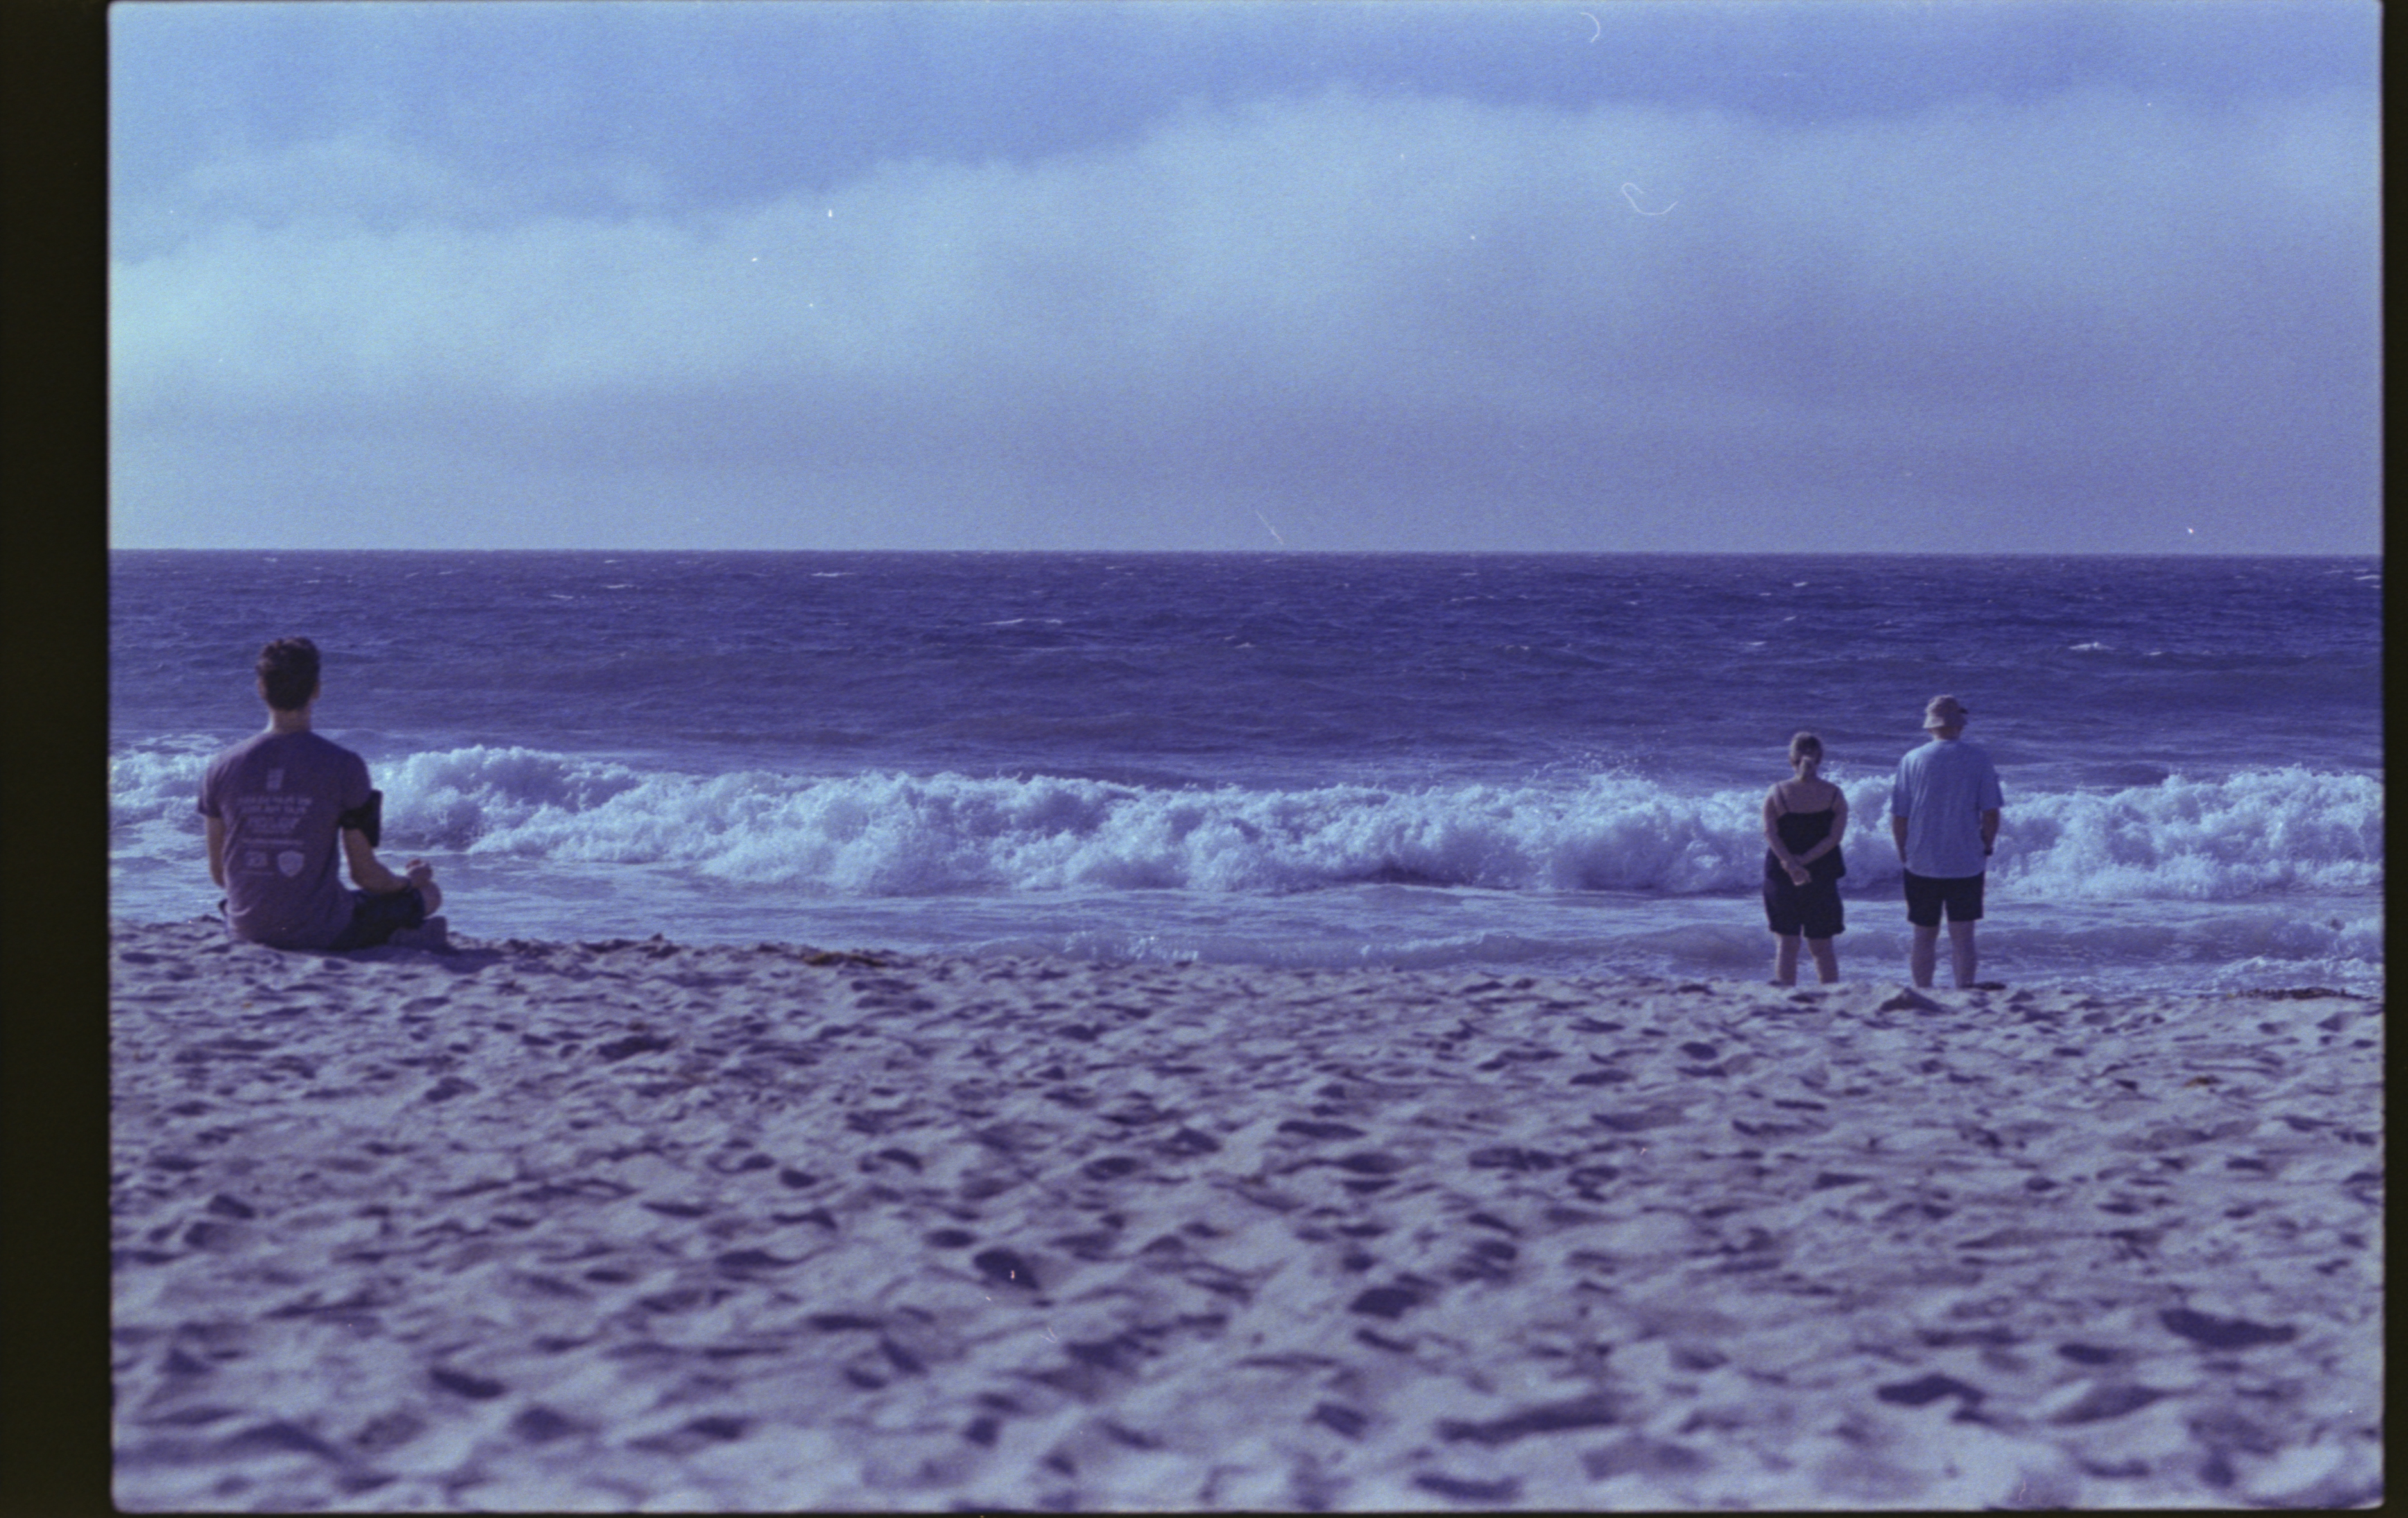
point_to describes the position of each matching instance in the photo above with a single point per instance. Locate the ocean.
(1543, 764)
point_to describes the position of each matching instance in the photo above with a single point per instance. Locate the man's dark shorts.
(1926, 893)
(377, 916)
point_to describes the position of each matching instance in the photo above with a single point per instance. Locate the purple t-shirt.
(280, 795)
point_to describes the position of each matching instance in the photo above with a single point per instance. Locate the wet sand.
(608, 1226)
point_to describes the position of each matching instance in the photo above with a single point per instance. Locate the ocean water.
(1536, 763)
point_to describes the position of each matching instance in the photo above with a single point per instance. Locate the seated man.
(276, 805)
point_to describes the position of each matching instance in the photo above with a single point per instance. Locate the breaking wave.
(879, 833)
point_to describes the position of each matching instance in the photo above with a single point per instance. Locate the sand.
(636, 1225)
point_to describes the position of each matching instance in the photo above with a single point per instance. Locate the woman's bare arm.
(1839, 828)
(1790, 862)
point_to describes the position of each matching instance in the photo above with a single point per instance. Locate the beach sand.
(609, 1227)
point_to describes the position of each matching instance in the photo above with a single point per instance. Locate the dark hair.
(288, 668)
(1804, 744)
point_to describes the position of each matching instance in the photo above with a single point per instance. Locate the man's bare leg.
(1923, 957)
(1960, 953)
(1785, 959)
(1826, 959)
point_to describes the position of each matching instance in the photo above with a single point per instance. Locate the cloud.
(1352, 293)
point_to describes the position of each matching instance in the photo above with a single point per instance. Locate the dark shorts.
(1926, 893)
(1813, 909)
(377, 916)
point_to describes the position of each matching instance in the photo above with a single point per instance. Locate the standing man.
(1944, 811)
(278, 805)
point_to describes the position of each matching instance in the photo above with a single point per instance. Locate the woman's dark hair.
(288, 670)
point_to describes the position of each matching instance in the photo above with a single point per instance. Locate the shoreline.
(546, 1225)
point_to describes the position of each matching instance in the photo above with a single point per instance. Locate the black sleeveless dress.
(1813, 909)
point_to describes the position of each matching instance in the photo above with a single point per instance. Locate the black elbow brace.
(369, 817)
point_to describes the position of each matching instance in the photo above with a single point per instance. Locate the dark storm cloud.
(1458, 306)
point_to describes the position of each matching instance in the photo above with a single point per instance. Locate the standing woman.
(1804, 819)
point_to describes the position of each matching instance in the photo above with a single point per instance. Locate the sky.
(1928, 275)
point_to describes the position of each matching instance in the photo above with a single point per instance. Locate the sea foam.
(888, 834)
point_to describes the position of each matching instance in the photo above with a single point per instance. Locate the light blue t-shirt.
(1941, 789)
